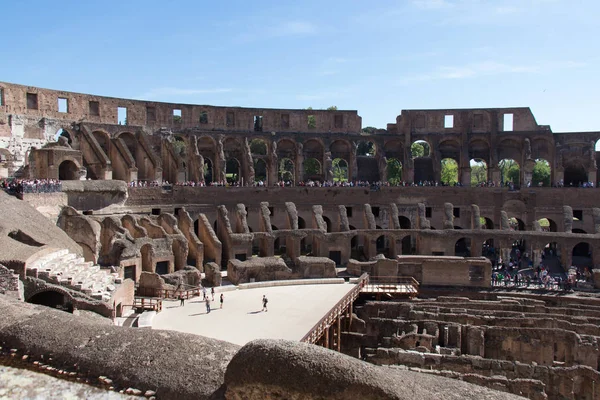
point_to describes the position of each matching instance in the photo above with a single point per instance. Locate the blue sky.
(377, 57)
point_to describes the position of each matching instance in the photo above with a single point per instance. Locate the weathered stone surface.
(316, 267)
(259, 269)
(175, 365)
(292, 370)
(213, 274)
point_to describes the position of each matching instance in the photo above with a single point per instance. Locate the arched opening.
(420, 148)
(357, 247)
(462, 247)
(510, 172)
(383, 246)
(404, 222)
(258, 147)
(63, 133)
(541, 173)
(582, 255)
(208, 171)
(365, 148)
(423, 163)
(394, 171)
(479, 172)
(130, 142)
(68, 171)
(488, 250)
(340, 170)
(328, 222)
(286, 171)
(407, 248)
(575, 175)
(54, 299)
(516, 224)
(232, 171)
(547, 225)
(487, 223)
(312, 169)
(103, 140)
(260, 170)
(449, 172)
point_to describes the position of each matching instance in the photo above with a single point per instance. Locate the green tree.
(258, 146)
(176, 119)
(179, 147)
(510, 171)
(478, 173)
(286, 169)
(541, 173)
(340, 170)
(394, 171)
(369, 130)
(312, 168)
(417, 150)
(420, 148)
(332, 108)
(449, 174)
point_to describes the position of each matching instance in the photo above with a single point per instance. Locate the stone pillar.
(299, 170)
(592, 176)
(465, 176)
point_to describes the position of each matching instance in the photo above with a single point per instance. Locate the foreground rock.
(174, 364)
(266, 369)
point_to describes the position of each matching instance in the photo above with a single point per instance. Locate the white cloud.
(160, 93)
(294, 28)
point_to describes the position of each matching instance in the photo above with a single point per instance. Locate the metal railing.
(148, 303)
(336, 311)
(392, 284)
(188, 293)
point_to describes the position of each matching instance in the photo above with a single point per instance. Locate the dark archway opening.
(68, 171)
(404, 222)
(462, 247)
(50, 298)
(575, 176)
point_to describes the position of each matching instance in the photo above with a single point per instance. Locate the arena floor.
(292, 312)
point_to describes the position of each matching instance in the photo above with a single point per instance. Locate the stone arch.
(233, 169)
(130, 141)
(328, 223)
(479, 171)
(479, 148)
(541, 147)
(385, 245)
(548, 225)
(582, 255)
(312, 169)
(449, 171)
(424, 170)
(510, 148)
(449, 148)
(488, 250)
(462, 247)
(510, 171)
(539, 178)
(54, 297)
(208, 171)
(394, 171)
(487, 223)
(341, 171)
(259, 147)
(340, 148)
(285, 170)
(313, 148)
(103, 139)
(404, 222)
(394, 148)
(366, 148)
(260, 170)
(68, 171)
(286, 148)
(575, 173)
(62, 132)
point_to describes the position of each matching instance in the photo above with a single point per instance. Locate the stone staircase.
(69, 270)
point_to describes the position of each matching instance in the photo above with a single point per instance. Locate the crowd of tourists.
(31, 185)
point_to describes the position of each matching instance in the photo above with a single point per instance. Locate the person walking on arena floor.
(212, 292)
(265, 301)
(221, 300)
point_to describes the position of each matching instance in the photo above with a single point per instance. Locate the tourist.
(207, 305)
(265, 301)
(221, 300)
(212, 292)
(181, 300)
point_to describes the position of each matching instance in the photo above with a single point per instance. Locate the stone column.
(299, 170)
